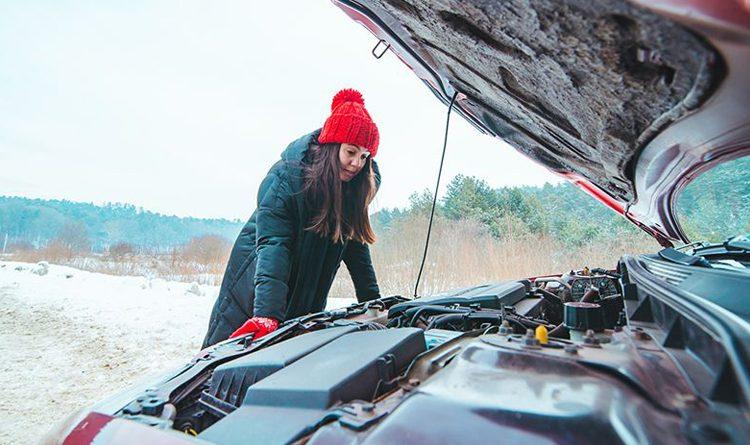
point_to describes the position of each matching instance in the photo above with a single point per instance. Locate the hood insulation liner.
(580, 86)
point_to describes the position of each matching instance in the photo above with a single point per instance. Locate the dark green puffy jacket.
(276, 268)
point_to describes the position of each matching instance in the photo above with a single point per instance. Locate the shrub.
(121, 250)
(206, 249)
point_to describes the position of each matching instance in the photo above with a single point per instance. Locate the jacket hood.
(624, 98)
(296, 150)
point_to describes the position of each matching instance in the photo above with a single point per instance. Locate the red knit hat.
(350, 123)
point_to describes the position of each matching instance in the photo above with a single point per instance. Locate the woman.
(311, 215)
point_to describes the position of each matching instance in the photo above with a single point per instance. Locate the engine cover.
(292, 401)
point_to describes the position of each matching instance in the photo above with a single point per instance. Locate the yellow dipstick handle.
(541, 334)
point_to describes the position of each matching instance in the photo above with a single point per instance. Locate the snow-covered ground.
(69, 337)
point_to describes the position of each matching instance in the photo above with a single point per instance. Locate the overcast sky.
(181, 107)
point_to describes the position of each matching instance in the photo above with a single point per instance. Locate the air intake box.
(351, 367)
(488, 296)
(288, 404)
(230, 381)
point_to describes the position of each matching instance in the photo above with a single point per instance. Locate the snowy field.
(70, 338)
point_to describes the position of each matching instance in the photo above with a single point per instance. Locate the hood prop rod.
(434, 197)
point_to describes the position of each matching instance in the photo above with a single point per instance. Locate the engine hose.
(550, 297)
(430, 308)
(445, 319)
(408, 313)
(375, 304)
(513, 320)
(394, 323)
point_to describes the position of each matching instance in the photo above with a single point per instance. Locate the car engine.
(589, 356)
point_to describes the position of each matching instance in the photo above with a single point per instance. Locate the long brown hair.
(339, 208)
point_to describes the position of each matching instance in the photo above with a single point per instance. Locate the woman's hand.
(259, 326)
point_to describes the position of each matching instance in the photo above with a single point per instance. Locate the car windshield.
(716, 205)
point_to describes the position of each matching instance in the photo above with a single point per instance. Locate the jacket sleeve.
(358, 261)
(275, 232)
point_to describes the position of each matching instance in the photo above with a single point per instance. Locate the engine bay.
(529, 359)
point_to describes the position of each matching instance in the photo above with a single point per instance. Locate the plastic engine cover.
(230, 381)
(488, 296)
(285, 405)
(346, 369)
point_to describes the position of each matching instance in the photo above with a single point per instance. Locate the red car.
(643, 104)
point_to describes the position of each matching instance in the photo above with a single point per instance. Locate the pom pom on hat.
(347, 95)
(350, 123)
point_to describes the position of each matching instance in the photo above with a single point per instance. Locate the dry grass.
(200, 260)
(55, 252)
(462, 253)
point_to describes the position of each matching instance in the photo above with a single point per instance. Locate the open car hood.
(630, 100)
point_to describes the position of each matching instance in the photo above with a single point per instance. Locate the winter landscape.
(95, 298)
(70, 337)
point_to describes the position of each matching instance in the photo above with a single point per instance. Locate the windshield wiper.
(735, 245)
(694, 245)
(675, 256)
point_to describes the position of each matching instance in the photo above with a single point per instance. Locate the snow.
(71, 337)
(41, 268)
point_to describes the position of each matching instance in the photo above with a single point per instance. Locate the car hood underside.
(577, 85)
(584, 88)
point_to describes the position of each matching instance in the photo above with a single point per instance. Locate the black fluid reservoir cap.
(580, 316)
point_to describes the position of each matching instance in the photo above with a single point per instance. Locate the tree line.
(561, 211)
(713, 207)
(37, 223)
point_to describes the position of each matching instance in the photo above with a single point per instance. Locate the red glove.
(259, 326)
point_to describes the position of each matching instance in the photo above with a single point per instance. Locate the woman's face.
(352, 159)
